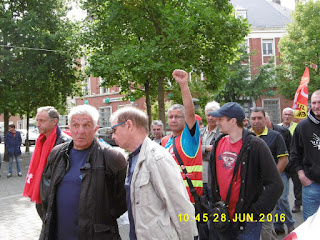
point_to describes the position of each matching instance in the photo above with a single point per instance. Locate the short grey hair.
(157, 122)
(52, 112)
(212, 106)
(288, 108)
(176, 107)
(137, 117)
(85, 110)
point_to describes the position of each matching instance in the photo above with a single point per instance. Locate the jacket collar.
(264, 132)
(312, 117)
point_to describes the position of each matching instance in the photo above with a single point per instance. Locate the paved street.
(18, 216)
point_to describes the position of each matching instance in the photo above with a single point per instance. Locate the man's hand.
(208, 148)
(305, 181)
(180, 76)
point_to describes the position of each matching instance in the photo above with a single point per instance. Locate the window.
(104, 119)
(84, 62)
(86, 87)
(272, 107)
(103, 89)
(19, 125)
(267, 47)
(241, 12)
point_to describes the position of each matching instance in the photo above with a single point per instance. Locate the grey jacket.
(158, 197)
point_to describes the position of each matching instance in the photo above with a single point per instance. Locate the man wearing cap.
(256, 185)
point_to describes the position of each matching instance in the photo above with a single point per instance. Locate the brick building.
(268, 20)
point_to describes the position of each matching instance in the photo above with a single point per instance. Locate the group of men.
(81, 185)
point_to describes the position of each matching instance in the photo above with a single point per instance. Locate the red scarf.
(38, 162)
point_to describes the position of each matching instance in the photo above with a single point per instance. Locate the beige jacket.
(158, 197)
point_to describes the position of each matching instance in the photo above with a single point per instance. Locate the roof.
(264, 14)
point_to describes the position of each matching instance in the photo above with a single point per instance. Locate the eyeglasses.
(113, 128)
(175, 116)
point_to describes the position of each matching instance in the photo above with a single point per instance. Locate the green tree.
(240, 86)
(300, 48)
(38, 52)
(137, 44)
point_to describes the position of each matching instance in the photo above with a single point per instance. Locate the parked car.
(65, 129)
(105, 134)
(33, 135)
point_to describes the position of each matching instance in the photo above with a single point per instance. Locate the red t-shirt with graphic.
(226, 156)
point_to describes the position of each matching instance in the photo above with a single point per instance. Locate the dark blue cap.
(230, 109)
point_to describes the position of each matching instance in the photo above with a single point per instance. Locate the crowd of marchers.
(226, 180)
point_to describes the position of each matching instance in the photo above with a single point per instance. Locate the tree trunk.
(162, 114)
(27, 137)
(148, 103)
(6, 128)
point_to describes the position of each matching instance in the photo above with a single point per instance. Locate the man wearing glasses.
(155, 193)
(287, 117)
(186, 134)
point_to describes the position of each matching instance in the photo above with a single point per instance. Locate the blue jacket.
(13, 143)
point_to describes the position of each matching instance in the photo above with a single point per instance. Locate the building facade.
(268, 20)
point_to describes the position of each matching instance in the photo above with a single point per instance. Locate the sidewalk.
(18, 216)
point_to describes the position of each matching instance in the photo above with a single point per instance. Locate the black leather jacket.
(102, 196)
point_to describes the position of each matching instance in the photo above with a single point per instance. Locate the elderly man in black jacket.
(82, 187)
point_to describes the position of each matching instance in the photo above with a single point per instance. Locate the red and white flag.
(300, 102)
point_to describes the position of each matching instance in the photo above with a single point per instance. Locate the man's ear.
(96, 128)
(129, 124)
(56, 121)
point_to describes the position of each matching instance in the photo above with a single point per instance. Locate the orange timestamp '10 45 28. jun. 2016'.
(238, 217)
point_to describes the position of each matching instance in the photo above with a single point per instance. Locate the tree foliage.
(38, 52)
(300, 48)
(240, 86)
(137, 44)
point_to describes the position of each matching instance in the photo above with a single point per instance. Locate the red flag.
(300, 102)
